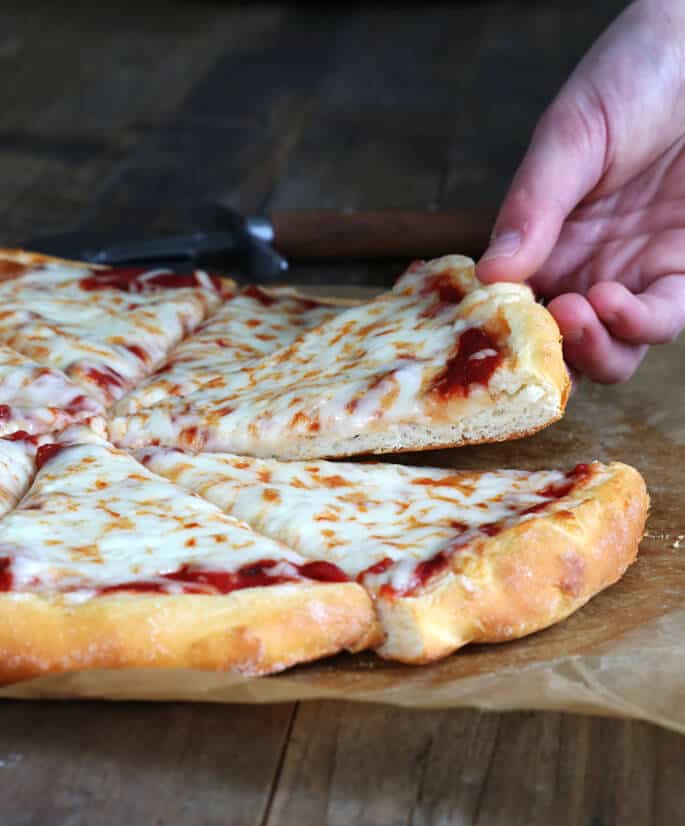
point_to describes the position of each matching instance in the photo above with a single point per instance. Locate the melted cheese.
(245, 328)
(16, 471)
(371, 367)
(356, 515)
(38, 399)
(93, 517)
(48, 316)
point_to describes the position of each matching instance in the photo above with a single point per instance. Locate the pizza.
(38, 399)
(217, 561)
(252, 323)
(448, 557)
(105, 564)
(104, 329)
(438, 361)
(140, 526)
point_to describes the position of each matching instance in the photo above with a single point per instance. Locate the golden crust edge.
(537, 347)
(527, 578)
(245, 632)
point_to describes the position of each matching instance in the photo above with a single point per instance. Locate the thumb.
(564, 162)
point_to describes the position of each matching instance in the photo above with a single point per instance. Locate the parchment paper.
(623, 654)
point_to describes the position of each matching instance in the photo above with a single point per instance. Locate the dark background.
(131, 114)
(117, 114)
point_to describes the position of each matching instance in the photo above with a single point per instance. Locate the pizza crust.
(528, 397)
(254, 631)
(527, 578)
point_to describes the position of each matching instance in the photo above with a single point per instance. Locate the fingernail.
(503, 245)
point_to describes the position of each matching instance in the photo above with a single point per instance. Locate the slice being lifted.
(441, 360)
(251, 324)
(103, 564)
(106, 329)
(449, 557)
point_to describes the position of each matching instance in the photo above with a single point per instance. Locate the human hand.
(595, 216)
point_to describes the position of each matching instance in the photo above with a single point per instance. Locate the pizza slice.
(104, 564)
(38, 399)
(440, 360)
(449, 557)
(106, 329)
(250, 324)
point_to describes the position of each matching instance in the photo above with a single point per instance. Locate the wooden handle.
(383, 233)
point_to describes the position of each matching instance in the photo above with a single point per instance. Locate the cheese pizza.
(440, 360)
(105, 329)
(105, 564)
(38, 399)
(250, 324)
(449, 557)
(139, 526)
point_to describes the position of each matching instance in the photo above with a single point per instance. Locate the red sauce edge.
(436, 564)
(6, 578)
(47, 452)
(461, 371)
(323, 572)
(379, 568)
(21, 436)
(574, 477)
(443, 285)
(104, 377)
(254, 575)
(253, 291)
(138, 352)
(79, 404)
(129, 279)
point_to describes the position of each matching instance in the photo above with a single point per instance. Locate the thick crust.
(526, 578)
(536, 345)
(528, 418)
(253, 631)
(527, 396)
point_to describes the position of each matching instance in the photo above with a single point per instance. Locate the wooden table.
(113, 114)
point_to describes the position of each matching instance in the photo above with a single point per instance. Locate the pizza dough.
(124, 542)
(438, 361)
(448, 557)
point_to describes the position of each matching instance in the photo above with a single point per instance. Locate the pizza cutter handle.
(382, 233)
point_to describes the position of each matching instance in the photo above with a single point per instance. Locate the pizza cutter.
(260, 246)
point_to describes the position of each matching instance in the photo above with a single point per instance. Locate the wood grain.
(95, 764)
(375, 765)
(135, 113)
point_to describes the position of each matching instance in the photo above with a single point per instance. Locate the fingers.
(656, 316)
(588, 346)
(565, 161)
